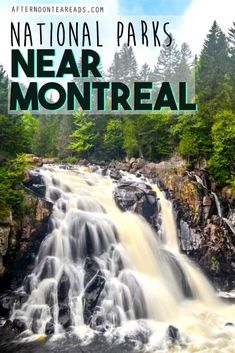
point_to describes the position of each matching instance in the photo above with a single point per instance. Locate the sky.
(192, 18)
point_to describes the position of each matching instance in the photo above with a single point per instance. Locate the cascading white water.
(217, 202)
(145, 278)
(200, 181)
(218, 206)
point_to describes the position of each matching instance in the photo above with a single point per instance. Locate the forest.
(205, 138)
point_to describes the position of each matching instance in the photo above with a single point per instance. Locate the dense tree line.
(207, 136)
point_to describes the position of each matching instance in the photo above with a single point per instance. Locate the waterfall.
(200, 181)
(139, 275)
(217, 202)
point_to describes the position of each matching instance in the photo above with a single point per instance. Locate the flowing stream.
(149, 285)
(226, 220)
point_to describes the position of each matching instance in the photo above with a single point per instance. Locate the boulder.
(6, 303)
(50, 328)
(4, 237)
(19, 325)
(34, 182)
(173, 334)
(137, 197)
(115, 174)
(63, 288)
(64, 315)
(94, 283)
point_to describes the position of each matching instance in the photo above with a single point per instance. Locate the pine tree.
(3, 90)
(185, 71)
(167, 63)
(213, 64)
(115, 71)
(85, 135)
(65, 129)
(145, 72)
(231, 40)
(128, 65)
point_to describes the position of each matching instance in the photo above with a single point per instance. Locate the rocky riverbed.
(205, 234)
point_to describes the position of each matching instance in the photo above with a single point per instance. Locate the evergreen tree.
(183, 71)
(213, 64)
(45, 139)
(231, 39)
(3, 90)
(12, 135)
(128, 65)
(65, 129)
(113, 139)
(84, 136)
(167, 63)
(145, 72)
(115, 70)
(222, 163)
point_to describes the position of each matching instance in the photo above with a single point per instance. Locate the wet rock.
(98, 322)
(115, 174)
(50, 328)
(48, 269)
(229, 324)
(19, 325)
(9, 299)
(63, 288)
(6, 302)
(94, 283)
(28, 236)
(137, 197)
(36, 325)
(173, 334)
(35, 183)
(141, 335)
(122, 166)
(64, 316)
(8, 324)
(4, 237)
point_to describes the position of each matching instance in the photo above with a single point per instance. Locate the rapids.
(148, 284)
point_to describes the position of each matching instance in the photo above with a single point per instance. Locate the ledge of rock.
(20, 238)
(137, 197)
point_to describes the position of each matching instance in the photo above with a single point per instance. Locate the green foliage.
(213, 64)
(13, 137)
(84, 136)
(11, 176)
(30, 128)
(70, 160)
(113, 139)
(207, 135)
(3, 90)
(222, 163)
(44, 142)
(130, 142)
(65, 129)
(148, 136)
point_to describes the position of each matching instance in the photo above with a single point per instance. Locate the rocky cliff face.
(205, 228)
(21, 238)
